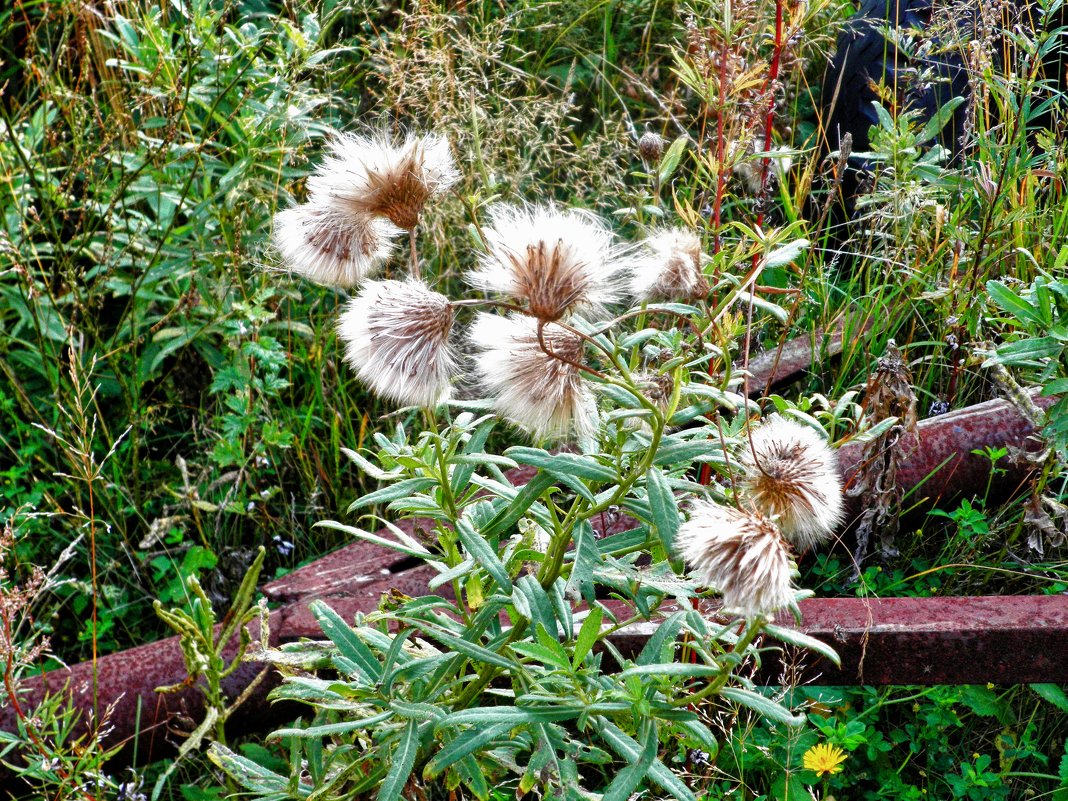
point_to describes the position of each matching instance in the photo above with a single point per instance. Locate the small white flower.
(370, 176)
(791, 475)
(669, 268)
(329, 247)
(396, 336)
(555, 261)
(741, 554)
(544, 394)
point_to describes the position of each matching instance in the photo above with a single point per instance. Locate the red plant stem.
(768, 93)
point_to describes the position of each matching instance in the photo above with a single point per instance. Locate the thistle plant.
(509, 672)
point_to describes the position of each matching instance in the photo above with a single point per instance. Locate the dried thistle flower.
(331, 247)
(396, 336)
(651, 147)
(741, 554)
(541, 393)
(556, 261)
(370, 176)
(791, 475)
(670, 268)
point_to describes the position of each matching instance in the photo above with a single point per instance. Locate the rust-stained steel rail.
(899, 641)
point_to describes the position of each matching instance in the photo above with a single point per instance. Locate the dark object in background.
(922, 75)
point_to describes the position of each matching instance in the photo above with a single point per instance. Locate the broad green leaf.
(539, 607)
(1014, 304)
(252, 776)
(670, 160)
(402, 761)
(465, 647)
(761, 705)
(786, 254)
(330, 729)
(1029, 350)
(542, 653)
(938, 120)
(1052, 693)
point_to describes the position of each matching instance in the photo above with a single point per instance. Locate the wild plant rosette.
(506, 673)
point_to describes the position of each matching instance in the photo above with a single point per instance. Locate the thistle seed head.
(541, 393)
(396, 336)
(329, 247)
(370, 176)
(651, 147)
(669, 268)
(741, 554)
(791, 475)
(555, 261)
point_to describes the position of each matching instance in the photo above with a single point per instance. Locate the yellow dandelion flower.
(824, 758)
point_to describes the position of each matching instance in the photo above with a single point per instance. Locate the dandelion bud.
(541, 392)
(331, 248)
(369, 176)
(555, 261)
(396, 336)
(670, 268)
(791, 475)
(651, 147)
(741, 554)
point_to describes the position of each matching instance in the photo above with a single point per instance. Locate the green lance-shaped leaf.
(628, 779)
(468, 742)
(763, 706)
(664, 510)
(629, 749)
(792, 637)
(347, 641)
(402, 489)
(587, 636)
(484, 554)
(403, 760)
(568, 464)
(510, 512)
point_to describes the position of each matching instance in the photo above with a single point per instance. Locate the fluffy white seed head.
(669, 268)
(741, 554)
(554, 261)
(330, 247)
(540, 393)
(371, 176)
(396, 336)
(791, 475)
